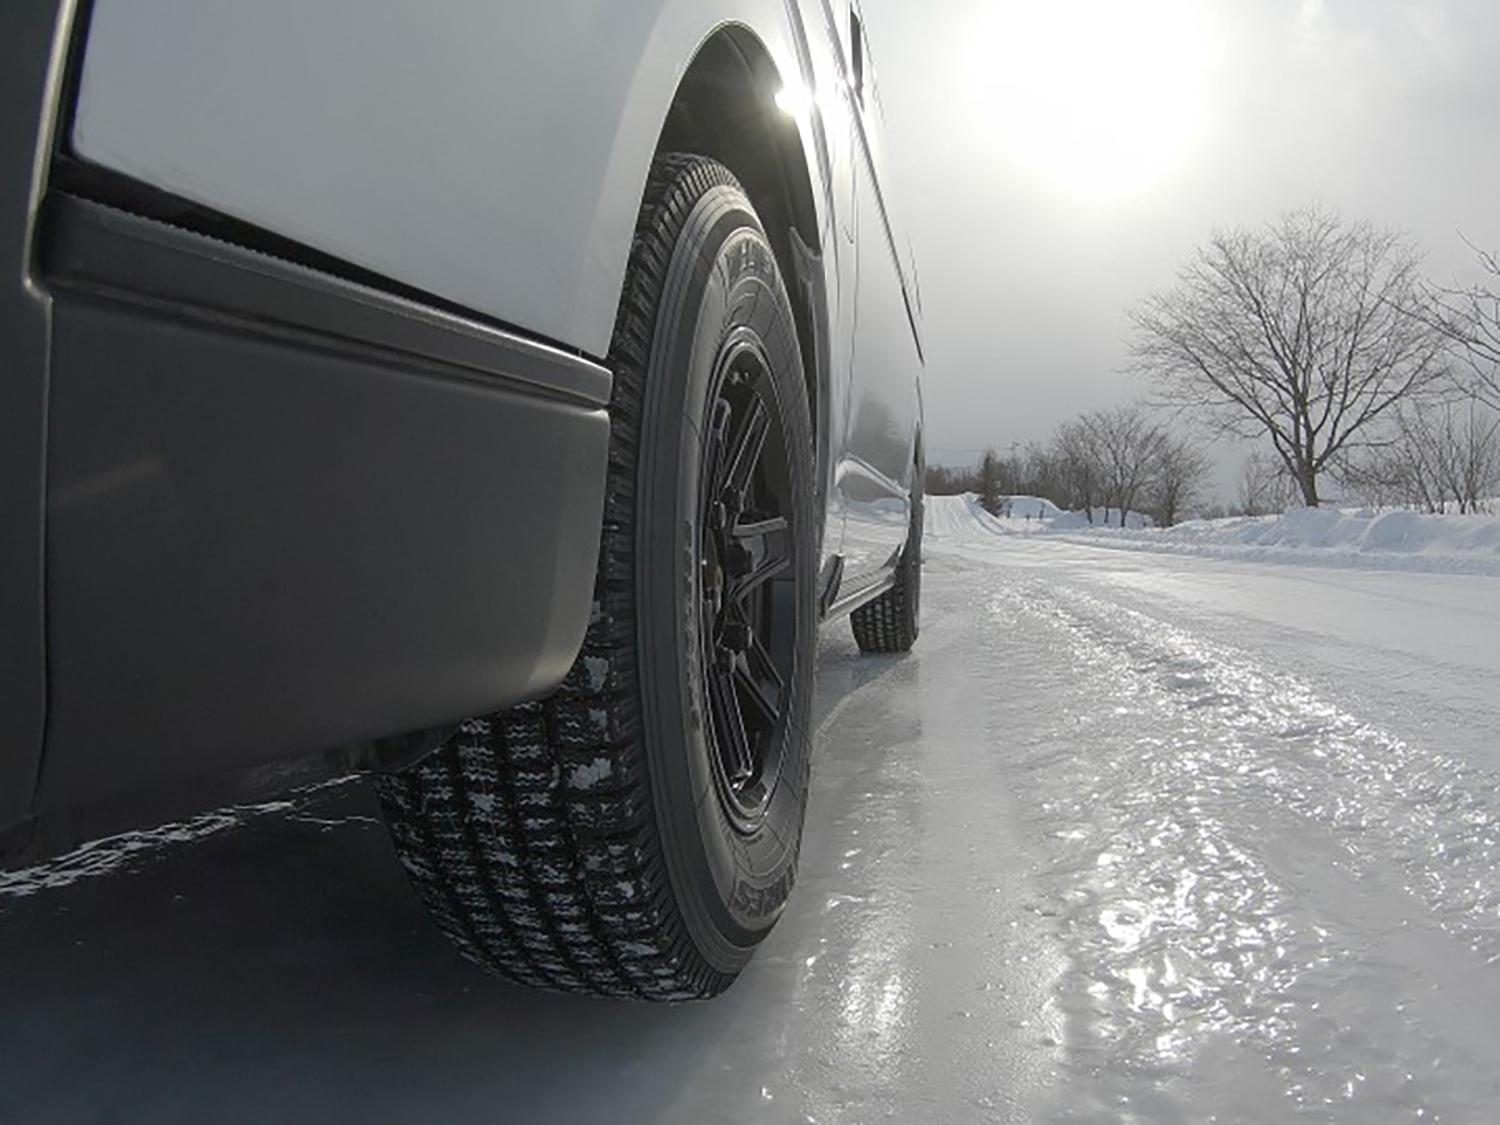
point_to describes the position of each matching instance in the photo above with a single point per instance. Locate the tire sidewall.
(730, 884)
(912, 563)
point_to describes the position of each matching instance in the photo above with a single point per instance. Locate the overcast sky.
(1053, 161)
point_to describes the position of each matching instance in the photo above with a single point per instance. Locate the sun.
(1100, 98)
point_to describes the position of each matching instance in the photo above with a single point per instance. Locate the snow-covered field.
(1132, 835)
(1348, 537)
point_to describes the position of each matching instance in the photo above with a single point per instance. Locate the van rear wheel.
(891, 622)
(636, 833)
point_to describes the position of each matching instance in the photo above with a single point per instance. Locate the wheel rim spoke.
(759, 529)
(766, 554)
(746, 446)
(761, 682)
(748, 583)
(731, 723)
(771, 567)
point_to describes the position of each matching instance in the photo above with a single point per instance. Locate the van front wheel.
(636, 834)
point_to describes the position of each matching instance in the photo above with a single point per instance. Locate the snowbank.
(1398, 540)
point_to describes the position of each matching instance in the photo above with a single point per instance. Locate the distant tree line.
(1104, 463)
(1319, 340)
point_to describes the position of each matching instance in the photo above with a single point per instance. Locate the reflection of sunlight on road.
(1127, 924)
(868, 977)
(875, 996)
(854, 977)
(1211, 794)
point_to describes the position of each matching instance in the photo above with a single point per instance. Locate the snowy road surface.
(1129, 836)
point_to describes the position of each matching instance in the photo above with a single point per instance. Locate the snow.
(953, 517)
(1401, 540)
(1131, 835)
(1271, 793)
(1360, 538)
(113, 854)
(1099, 518)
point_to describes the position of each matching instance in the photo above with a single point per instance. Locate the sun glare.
(1097, 97)
(794, 100)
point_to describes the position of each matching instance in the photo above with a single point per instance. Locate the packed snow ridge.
(1342, 537)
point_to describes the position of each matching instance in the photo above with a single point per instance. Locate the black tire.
(892, 621)
(597, 841)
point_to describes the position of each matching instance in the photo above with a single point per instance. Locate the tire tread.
(531, 834)
(889, 623)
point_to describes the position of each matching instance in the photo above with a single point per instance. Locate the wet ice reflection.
(1201, 782)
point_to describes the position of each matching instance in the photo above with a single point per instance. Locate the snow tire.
(890, 623)
(572, 843)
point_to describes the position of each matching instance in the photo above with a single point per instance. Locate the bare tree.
(1447, 455)
(1177, 480)
(943, 481)
(1042, 473)
(1470, 318)
(1079, 466)
(1125, 444)
(988, 484)
(1380, 475)
(1476, 464)
(1423, 454)
(1440, 457)
(1307, 332)
(1266, 488)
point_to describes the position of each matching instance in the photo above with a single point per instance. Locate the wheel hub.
(747, 582)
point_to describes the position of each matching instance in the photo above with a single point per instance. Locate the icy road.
(1129, 836)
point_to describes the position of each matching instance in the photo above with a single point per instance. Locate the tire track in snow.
(1431, 813)
(1237, 860)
